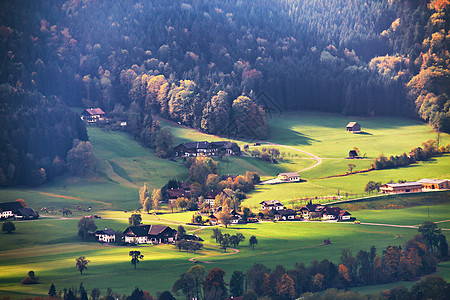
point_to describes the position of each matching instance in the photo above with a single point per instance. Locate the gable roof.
(94, 111)
(176, 193)
(271, 203)
(289, 174)
(285, 212)
(11, 206)
(405, 184)
(312, 207)
(106, 231)
(146, 230)
(435, 181)
(351, 124)
(212, 194)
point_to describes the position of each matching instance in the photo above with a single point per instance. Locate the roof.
(27, 212)
(196, 145)
(106, 231)
(222, 144)
(271, 203)
(405, 184)
(351, 124)
(95, 111)
(212, 194)
(144, 230)
(289, 174)
(10, 206)
(185, 185)
(313, 207)
(344, 213)
(435, 181)
(332, 210)
(176, 193)
(285, 212)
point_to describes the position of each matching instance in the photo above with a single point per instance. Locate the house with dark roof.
(271, 205)
(17, 211)
(174, 194)
(93, 115)
(149, 234)
(106, 235)
(206, 149)
(210, 197)
(353, 127)
(284, 215)
(309, 209)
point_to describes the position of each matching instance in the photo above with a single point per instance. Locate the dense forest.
(221, 66)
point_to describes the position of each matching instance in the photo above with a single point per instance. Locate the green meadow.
(50, 245)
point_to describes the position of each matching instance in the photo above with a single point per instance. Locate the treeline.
(37, 134)
(427, 151)
(218, 66)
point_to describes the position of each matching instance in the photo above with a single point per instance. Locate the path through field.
(313, 156)
(75, 198)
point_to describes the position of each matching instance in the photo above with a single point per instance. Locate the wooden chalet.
(398, 188)
(206, 149)
(284, 215)
(210, 197)
(17, 211)
(93, 115)
(310, 208)
(271, 205)
(289, 177)
(174, 194)
(149, 234)
(353, 127)
(106, 235)
(434, 184)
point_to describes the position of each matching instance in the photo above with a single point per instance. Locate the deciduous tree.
(81, 264)
(136, 256)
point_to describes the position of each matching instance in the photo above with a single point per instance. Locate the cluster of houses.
(307, 212)
(206, 149)
(422, 185)
(16, 210)
(141, 234)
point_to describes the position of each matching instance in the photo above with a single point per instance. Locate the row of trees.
(428, 150)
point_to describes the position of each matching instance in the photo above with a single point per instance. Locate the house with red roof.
(93, 115)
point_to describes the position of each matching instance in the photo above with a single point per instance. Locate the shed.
(353, 127)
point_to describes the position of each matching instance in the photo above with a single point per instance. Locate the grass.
(49, 246)
(325, 135)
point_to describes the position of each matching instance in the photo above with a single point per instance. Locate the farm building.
(271, 205)
(206, 149)
(397, 188)
(289, 177)
(93, 115)
(284, 215)
(434, 184)
(106, 235)
(149, 234)
(309, 209)
(17, 211)
(352, 154)
(353, 127)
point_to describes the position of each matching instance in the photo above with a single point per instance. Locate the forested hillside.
(220, 65)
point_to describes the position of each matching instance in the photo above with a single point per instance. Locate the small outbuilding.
(353, 127)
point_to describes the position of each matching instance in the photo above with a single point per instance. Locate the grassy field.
(49, 246)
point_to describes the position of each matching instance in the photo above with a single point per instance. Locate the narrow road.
(315, 157)
(400, 226)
